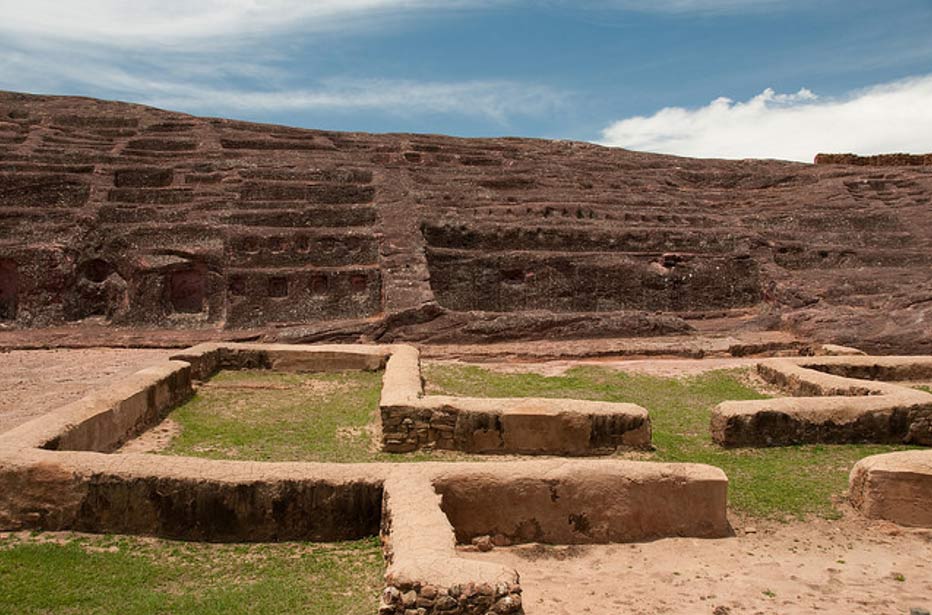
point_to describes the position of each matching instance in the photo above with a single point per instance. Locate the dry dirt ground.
(665, 368)
(32, 382)
(844, 566)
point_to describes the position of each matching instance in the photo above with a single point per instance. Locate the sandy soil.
(154, 439)
(32, 382)
(667, 368)
(708, 343)
(847, 566)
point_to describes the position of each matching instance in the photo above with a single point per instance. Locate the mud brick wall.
(425, 576)
(830, 404)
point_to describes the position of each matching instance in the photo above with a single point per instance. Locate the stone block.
(896, 487)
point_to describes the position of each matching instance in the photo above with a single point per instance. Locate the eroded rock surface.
(141, 217)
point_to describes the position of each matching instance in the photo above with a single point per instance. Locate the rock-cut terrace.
(114, 214)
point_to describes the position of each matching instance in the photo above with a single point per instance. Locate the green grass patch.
(90, 575)
(925, 388)
(271, 416)
(772, 482)
(262, 415)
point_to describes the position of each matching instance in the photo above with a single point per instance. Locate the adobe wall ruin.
(56, 473)
(848, 399)
(834, 400)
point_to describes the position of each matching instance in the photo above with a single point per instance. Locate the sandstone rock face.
(882, 160)
(142, 217)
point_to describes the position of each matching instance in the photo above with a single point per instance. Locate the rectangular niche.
(9, 289)
(188, 290)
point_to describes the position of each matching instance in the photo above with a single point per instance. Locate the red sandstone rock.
(883, 160)
(135, 216)
(483, 543)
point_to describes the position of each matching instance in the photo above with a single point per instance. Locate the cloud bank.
(494, 100)
(193, 23)
(893, 117)
(196, 23)
(173, 85)
(231, 56)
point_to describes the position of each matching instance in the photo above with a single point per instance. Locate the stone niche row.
(255, 297)
(508, 282)
(42, 288)
(303, 248)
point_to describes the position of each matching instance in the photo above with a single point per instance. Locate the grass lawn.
(925, 388)
(774, 482)
(67, 573)
(262, 415)
(271, 416)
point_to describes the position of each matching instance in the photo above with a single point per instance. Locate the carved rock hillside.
(146, 218)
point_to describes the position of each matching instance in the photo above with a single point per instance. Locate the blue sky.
(788, 77)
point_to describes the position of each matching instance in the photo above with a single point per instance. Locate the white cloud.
(195, 23)
(494, 100)
(206, 61)
(893, 117)
(182, 87)
(186, 23)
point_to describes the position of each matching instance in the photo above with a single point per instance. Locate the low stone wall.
(424, 574)
(412, 421)
(45, 483)
(559, 502)
(515, 426)
(830, 420)
(207, 359)
(836, 409)
(895, 486)
(585, 502)
(103, 420)
(886, 369)
(189, 499)
(799, 380)
(401, 383)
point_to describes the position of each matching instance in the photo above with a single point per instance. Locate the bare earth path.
(848, 566)
(32, 382)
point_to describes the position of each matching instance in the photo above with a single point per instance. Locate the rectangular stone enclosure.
(57, 473)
